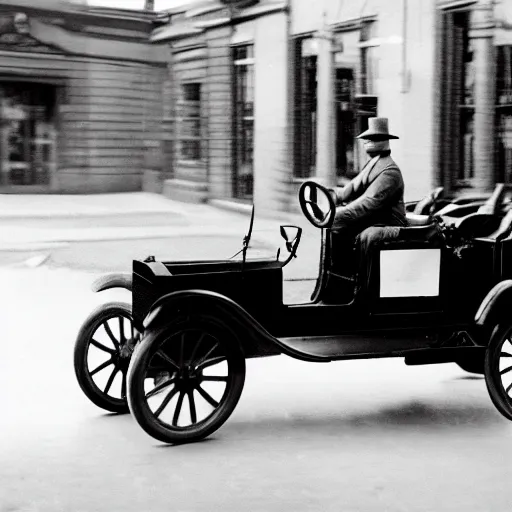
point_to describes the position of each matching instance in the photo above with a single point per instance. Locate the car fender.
(120, 280)
(495, 306)
(254, 338)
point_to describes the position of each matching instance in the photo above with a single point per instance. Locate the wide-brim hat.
(377, 130)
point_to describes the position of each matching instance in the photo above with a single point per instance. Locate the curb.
(60, 242)
(33, 246)
(59, 214)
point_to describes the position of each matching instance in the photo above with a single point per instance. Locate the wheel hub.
(188, 377)
(126, 349)
(122, 358)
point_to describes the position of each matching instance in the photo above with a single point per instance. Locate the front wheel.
(498, 369)
(185, 381)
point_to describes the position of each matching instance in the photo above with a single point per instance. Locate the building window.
(345, 122)
(457, 102)
(458, 106)
(368, 68)
(189, 107)
(466, 103)
(305, 107)
(504, 114)
(355, 95)
(243, 121)
(27, 133)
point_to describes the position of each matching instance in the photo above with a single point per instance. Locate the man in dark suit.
(371, 207)
(376, 195)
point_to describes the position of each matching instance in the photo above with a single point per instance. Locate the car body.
(438, 294)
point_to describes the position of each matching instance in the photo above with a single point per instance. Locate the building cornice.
(191, 27)
(199, 11)
(244, 15)
(79, 13)
(213, 23)
(172, 32)
(81, 44)
(352, 24)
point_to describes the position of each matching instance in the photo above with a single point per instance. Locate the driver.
(371, 206)
(375, 197)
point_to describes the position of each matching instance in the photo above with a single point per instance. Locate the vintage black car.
(440, 293)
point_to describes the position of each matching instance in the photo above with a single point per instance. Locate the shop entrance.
(27, 136)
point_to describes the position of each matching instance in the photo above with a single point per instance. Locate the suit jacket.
(374, 197)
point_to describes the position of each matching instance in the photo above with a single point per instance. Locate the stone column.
(481, 34)
(326, 129)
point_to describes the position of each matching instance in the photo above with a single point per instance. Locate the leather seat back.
(420, 233)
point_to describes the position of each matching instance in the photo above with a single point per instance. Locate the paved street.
(351, 436)
(362, 435)
(86, 234)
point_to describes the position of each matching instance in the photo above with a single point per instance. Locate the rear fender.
(495, 307)
(112, 281)
(254, 339)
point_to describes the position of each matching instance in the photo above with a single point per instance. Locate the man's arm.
(380, 193)
(347, 193)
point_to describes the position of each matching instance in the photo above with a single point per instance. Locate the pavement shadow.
(176, 446)
(417, 413)
(469, 377)
(406, 416)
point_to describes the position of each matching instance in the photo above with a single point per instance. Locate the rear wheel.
(102, 353)
(498, 369)
(185, 381)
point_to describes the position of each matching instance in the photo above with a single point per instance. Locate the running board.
(353, 346)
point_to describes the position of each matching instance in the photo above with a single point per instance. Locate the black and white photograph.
(255, 255)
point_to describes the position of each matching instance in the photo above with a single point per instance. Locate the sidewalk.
(35, 222)
(14, 206)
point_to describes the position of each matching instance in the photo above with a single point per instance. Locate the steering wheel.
(317, 204)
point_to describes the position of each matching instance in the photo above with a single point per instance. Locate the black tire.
(498, 369)
(183, 351)
(120, 351)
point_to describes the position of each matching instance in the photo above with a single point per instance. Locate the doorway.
(27, 136)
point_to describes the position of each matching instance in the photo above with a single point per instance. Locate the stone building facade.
(286, 86)
(240, 101)
(80, 98)
(227, 109)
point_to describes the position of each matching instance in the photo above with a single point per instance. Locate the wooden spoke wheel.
(102, 354)
(185, 381)
(498, 369)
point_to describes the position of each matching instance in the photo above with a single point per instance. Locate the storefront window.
(28, 135)
(243, 121)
